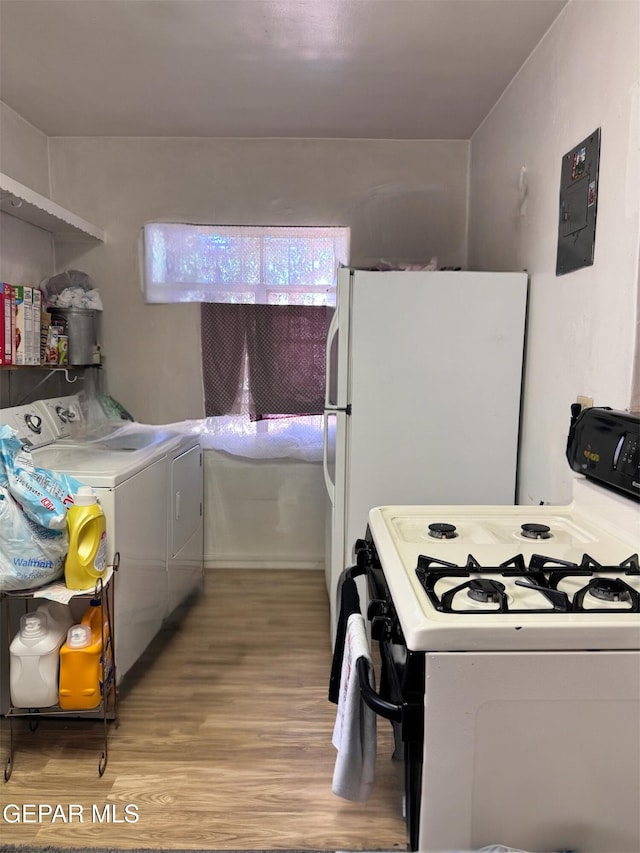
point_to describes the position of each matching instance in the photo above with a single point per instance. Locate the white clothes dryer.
(150, 486)
(131, 489)
(185, 481)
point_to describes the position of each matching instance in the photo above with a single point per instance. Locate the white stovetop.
(598, 523)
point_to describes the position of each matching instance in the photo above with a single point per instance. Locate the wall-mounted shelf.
(28, 205)
(49, 367)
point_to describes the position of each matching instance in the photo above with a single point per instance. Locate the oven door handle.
(380, 706)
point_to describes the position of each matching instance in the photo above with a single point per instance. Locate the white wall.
(402, 200)
(24, 151)
(583, 75)
(263, 513)
(26, 252)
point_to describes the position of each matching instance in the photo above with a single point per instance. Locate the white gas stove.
(510, 647)
(515, 577)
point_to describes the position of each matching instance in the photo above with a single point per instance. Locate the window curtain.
(286, 358)
(285, 352)
(223, 353)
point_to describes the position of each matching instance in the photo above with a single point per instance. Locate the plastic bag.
(500, 848)
(71, 289)
(43, 495)
(30, 555)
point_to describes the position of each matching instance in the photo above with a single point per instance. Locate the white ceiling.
(382, 69)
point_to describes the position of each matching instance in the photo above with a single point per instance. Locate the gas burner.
(486, 591)
(440, 530)
(609, 589)
(535, 531)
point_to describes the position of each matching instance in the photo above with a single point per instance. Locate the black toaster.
(604, 445)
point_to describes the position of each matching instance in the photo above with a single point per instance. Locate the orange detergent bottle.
(81, 660)
(86, 559)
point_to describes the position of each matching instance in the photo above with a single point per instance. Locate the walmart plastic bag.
(30, 555)
(44, 496)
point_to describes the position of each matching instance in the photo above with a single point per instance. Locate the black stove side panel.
(402, 682)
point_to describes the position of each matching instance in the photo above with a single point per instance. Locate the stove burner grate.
(543, 575)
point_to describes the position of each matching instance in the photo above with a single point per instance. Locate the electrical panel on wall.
(578, 204)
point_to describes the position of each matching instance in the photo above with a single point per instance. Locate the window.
(268, 294)
(243, 264)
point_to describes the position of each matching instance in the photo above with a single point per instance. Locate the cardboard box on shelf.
(45, 322)
(24, 323)
(7, 322)
(35, 338)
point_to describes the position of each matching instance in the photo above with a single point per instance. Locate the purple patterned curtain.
(223, 353)
(286, 352)
(285, 349)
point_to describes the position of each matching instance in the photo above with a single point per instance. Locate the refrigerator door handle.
(333, 328)
(331, 489)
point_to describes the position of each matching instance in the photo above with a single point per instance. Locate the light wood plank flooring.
(224, 737)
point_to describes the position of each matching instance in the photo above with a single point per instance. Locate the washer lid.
(95, 467)
(126, 438)
(136, 437)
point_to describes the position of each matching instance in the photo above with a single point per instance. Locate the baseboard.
(253, 563)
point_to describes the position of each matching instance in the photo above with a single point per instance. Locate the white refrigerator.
(424, 378)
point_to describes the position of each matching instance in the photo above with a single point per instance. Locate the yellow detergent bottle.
(81, 661)
(86, 560)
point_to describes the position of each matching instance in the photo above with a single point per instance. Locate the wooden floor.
(223, 741)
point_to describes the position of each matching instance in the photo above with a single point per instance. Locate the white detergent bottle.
(59, 615)
(86, 559)
(34, 656)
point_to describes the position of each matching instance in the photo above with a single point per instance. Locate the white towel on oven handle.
(354, 732)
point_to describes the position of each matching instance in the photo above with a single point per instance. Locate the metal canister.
(81, 327)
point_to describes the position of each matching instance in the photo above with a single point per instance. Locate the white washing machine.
(151, 492)
(185, 481)
(72, 421)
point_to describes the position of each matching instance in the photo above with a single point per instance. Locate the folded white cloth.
(354, 732)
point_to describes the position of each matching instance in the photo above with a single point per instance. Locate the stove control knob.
(377, 608)
(362, 552)
(361, 545)
(380, 628)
